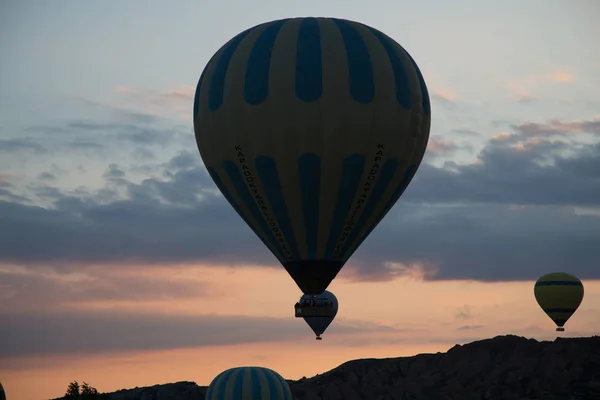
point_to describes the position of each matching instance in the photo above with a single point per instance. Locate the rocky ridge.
(502, 368)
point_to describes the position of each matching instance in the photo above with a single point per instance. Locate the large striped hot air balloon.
(312, 128)
(326, 310)
(559, 294)
(248, 383)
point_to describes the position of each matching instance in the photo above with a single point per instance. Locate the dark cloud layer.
(87, 333)
(509, 216)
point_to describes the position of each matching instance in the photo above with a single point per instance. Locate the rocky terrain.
(503, 368)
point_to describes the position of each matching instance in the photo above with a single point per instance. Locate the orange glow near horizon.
(406, 316)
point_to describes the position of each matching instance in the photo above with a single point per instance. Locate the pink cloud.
(501, 137)
(444, 96)
(523, 88)
(561, 77)
(556, 127)
(177, 99)
(438, 145)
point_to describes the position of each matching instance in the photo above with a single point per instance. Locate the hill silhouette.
(502, 368)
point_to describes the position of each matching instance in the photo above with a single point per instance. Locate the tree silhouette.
(88, 392)
(72, 390)
(83, 392)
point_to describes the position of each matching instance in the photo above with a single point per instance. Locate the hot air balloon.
(248, 383)
(559, 294)
(312, 128)
(2, 394)
(318, 312)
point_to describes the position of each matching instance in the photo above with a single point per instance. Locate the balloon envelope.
(320, 324)
(559, 295)
(248, 383)
(2, 394)
(312, 128)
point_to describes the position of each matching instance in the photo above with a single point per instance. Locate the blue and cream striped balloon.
(248, 383)
(312, 128)
(320, 324)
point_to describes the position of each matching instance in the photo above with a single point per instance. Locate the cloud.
(91, 332)
(438, 145)
(105, 331)
(114, 172)
(106, 132)
(466, 133)
(522, 88)
(510, 215)
(174, 101)
(556, 127)
(470, 327)
(525, 98)
(18, 145)
(41, 288)
(444, 97)
(47, 176)
(463, 312)
(560, 77)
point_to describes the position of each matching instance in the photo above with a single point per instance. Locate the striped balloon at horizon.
(248, 383)
(312, 128)
(559, 295)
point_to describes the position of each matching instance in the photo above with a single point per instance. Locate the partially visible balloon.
(559, 294)
(248, 383)
(2, 394)
(312, 128)
(320, 324)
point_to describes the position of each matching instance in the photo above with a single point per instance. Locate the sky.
(121, 265)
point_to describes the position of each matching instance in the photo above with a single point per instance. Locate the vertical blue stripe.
(403, 84)
(238, 384)
(285, 388)
(271, 382)
(217, 179)
(221, 389)
(211, 387)
(352, 171)
(256, 83)
(408, 175)
(383, 182)
(269, 176)
(199, 87)
(309, 62)
(256, 386)
(217, 83)
(362, 84)
(238, 182)
(309, 171)
(424, 93)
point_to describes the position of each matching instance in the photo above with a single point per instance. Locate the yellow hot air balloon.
(248, 383)
(312, 128)
(559, 294)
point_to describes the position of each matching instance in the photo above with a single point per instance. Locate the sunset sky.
(121, 265)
